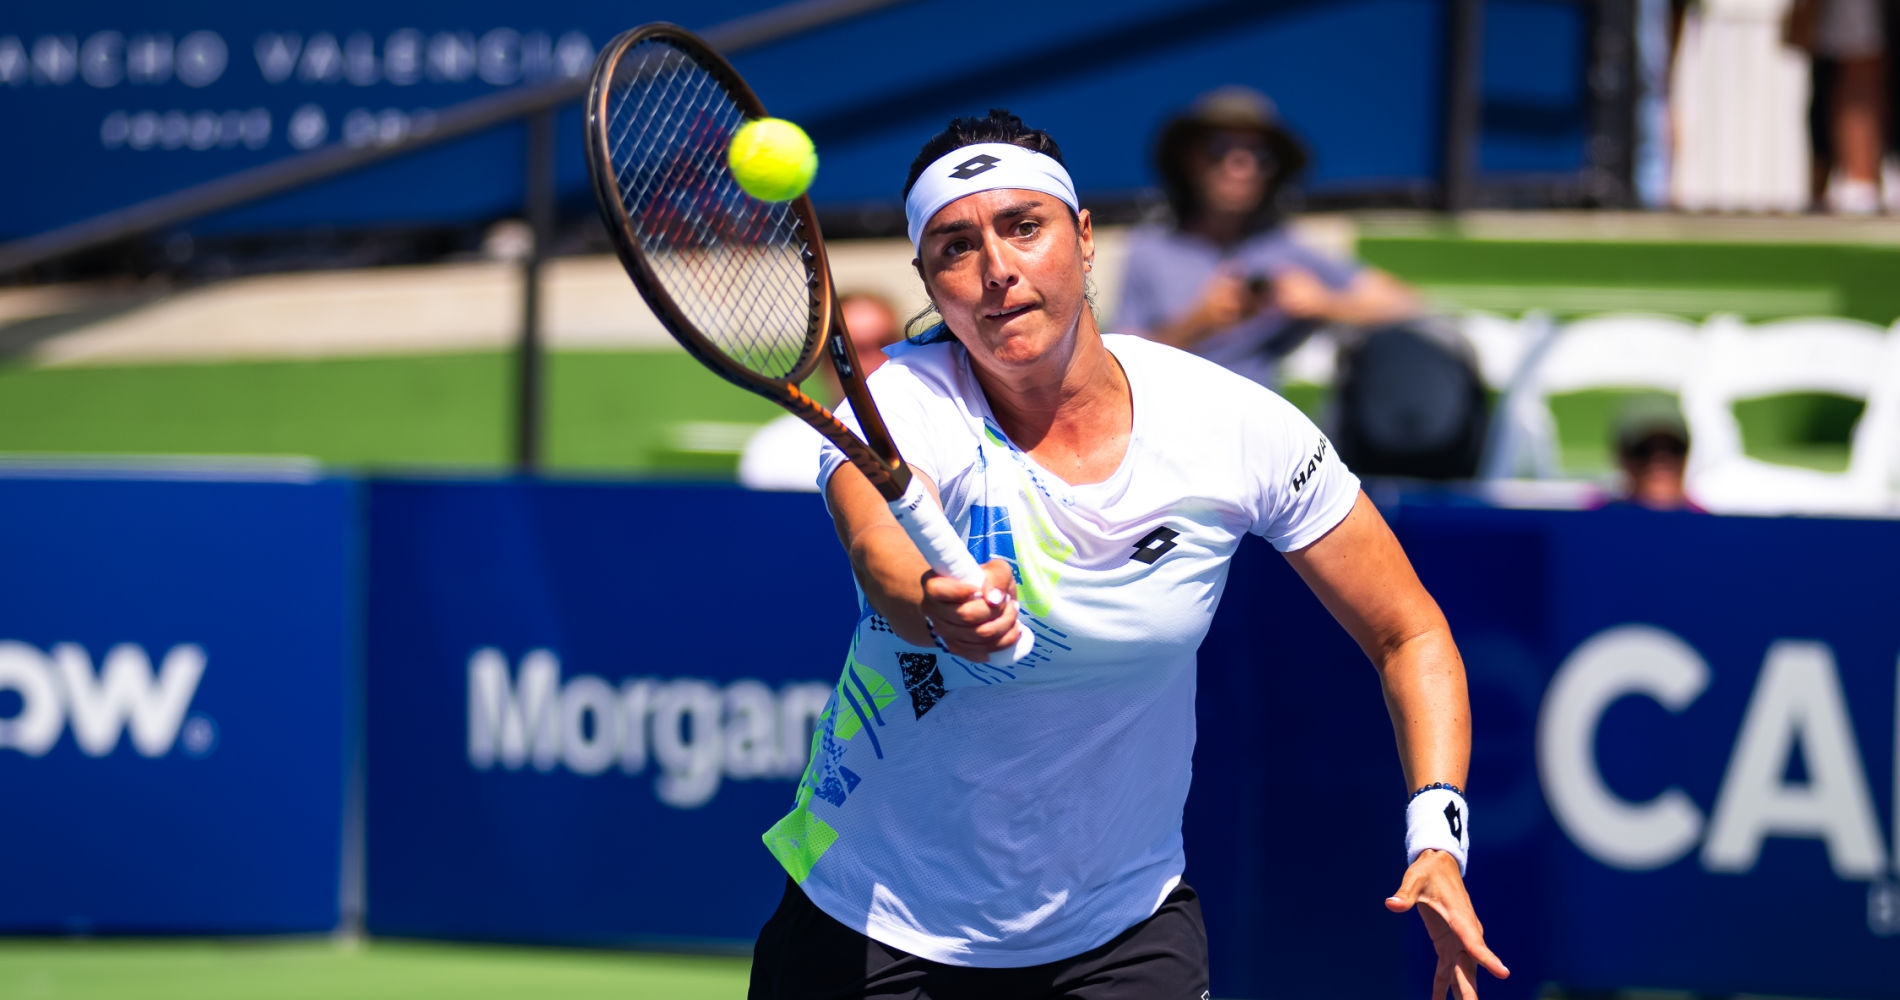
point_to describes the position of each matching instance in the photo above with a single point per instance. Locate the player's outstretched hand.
(973, 622)
(1433, 885)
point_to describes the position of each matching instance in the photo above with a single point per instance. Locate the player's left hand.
(1433, 885)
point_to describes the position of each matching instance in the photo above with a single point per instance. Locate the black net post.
(540, 197)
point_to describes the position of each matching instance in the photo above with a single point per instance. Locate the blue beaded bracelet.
(1446, 785)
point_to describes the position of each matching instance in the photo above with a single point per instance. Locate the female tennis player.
(974, 828)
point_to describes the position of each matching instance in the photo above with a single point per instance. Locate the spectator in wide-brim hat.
(1225, 278)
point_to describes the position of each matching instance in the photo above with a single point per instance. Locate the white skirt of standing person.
(1740, 103)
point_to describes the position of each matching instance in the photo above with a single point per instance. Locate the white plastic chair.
(1838, 356)
(1614, 351)
(1500, 344)
(1312, 362)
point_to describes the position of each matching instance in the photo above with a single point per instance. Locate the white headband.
(985, 166)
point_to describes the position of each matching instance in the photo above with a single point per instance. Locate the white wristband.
(1438, 819)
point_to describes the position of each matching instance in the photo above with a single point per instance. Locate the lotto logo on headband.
(974, 165)
(983, 166)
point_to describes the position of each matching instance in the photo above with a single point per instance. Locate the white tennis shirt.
(1004, 816)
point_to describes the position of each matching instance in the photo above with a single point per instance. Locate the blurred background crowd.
(1660, 172)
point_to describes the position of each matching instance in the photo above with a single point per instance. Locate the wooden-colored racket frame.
(876, 454)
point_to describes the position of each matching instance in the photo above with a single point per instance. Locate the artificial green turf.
(1813, 429)
(1860, 278)
(327, 970)
(605, 412)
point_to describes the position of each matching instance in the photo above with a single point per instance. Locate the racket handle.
(924, 522)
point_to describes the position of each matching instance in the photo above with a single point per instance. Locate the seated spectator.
(1652, 447)
(1226, 280)
(783, 455)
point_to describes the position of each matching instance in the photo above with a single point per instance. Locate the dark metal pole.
(1610, 174)
(528, 355)
(1464, 48)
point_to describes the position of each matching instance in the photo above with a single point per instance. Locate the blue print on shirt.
(990, 537)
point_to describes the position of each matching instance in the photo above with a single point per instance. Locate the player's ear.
(1085, 237)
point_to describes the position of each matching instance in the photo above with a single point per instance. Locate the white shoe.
(1851, 197)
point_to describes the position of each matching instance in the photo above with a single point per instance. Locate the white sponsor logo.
(695, 734)
(197, 130)
(1797, 708)
(108, 58)
(500, 57)
(123, 696)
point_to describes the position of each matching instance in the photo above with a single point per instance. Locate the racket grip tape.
(924, 522)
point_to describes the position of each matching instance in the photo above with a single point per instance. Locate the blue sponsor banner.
(586, 702)
(174, 692)
(1683, 774)
(1713, 735)
(125, 102)
(1294, 827)
(1684, 747)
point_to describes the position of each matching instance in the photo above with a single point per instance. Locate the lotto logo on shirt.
(694, 732)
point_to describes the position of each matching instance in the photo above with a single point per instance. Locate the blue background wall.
(111, 123)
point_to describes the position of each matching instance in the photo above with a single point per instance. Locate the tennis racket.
(742, 284)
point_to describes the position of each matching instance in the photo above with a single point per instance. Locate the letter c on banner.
(1617, 662)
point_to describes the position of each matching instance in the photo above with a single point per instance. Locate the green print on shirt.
(1037, 564)
(800, 839)
(857, 705)
(862, 695)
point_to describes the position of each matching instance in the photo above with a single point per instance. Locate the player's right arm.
(900, 585)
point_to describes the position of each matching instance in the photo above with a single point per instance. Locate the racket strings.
(739, 268)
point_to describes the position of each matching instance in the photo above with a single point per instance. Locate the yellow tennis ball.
(772, 159)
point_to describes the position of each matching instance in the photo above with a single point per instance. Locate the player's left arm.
(1362, 576)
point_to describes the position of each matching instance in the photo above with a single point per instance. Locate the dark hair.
(999, 126)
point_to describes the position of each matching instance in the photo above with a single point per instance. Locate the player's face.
(1005, 269)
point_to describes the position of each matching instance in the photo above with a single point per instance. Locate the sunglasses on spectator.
(1222, 143)
(1644, 450)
